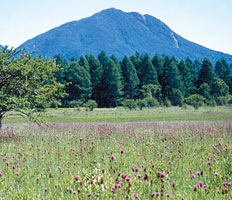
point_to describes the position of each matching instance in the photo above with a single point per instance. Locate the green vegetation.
(120, 114)
(140, 160)
(27, 85)
(182, 160)
(110, 82)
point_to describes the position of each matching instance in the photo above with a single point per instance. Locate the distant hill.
(120, 33)
(1, 46)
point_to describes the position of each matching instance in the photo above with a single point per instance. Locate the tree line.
(109, 81)
(30, 84)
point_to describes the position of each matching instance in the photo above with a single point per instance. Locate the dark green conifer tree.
(206, 74)
(96, 72)
(111, 86)
(219, 88)
(158, 63)
(187, 77)
(148, 72)
(130, 79)
(79, 84)
(222, 70)
(63, 65)
(136, 59)
(84, 63)
(204, 90)
(103, 59)
(174, 84)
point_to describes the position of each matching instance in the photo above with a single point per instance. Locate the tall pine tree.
(173, 85)
(222, 70)
(206, 74)
(84, 63)
(158, 63)
(136, 59)
(96, 72)
(111, 86)
(148, 74)
(130, 79)
(79, 84)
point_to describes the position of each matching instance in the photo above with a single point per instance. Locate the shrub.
(91, 104)
(74, 104)
(195, 100)
(211, 103)
(141, 103)
(222, 100)
(129, 103)
(168, 103)
(55, 104)
(151, 102)
(230, 100)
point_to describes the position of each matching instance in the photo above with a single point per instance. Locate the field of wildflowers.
(139, 160)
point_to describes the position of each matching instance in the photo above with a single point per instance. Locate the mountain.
(120, 33)
(1, 46)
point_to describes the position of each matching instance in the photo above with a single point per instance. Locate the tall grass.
(140, 160)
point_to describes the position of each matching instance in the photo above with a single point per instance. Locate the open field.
(118, 154)
(135, 160)
(124, 115)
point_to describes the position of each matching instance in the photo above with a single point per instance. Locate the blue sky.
(206, 22)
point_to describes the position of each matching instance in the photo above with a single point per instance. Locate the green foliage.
(111, 86)
(176, 98)
(91, 104)
(141, 103)
(27, 85)
(206, 74)
(158, 63)
(222, 100)
(204, 90)
(130, 79)
(151, 102)
(219, 88)
(129, 103)
(188, 76)
(110, 81)
(151, 91)
(79, 84)
(222, 70)
(173, 84)
(148, 74)
(63, 65)
(229, 100)
(74, 104)
(96, 72)
(211, 103)
(136, 59)
(195, 100)
(84, 63)
(167, 103)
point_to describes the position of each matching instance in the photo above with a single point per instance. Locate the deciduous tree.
(27, 85)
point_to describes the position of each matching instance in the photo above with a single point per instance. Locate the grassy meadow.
(121, 114)
(161, 153)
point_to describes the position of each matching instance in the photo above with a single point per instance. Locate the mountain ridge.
(120, 33)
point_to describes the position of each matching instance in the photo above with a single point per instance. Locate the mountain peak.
(120, 33)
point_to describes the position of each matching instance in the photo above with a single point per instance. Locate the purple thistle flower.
(136, 195)
(168, 195)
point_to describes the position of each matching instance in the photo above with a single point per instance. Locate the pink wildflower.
(168, 195)
(136, 195)
(201, 183)
(122, 151)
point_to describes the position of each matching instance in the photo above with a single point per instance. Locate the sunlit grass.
(139, 160)
(124, 115)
